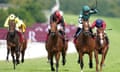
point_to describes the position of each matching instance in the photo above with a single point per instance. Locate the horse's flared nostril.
(52, 33)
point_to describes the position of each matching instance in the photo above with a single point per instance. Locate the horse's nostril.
(52, 33)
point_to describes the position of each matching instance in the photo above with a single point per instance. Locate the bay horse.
(85, 44)
(14, 45)
(101, 47)
(55, 46)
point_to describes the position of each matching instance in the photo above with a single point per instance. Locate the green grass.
(40, 64)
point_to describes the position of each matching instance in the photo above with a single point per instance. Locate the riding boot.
(91, 32)
(63, 35)
(77, 33)
(48, 34)
(107, 40)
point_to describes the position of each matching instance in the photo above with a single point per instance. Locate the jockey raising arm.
(20, 25)
(84, 16)
(10, 17)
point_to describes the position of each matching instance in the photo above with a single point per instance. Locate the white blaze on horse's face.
(87, 27)
(101, 41)
(101, 35)
(101, 38)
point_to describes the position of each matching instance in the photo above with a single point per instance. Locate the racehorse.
(14, 45)
(101, 47)
(85, 44)
(55, 46)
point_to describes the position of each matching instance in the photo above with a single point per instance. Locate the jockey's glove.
(94, 9)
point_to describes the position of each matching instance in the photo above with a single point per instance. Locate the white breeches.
(59, 27)
(80, 25)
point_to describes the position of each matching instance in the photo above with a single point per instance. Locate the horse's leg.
(103, 58)
(48, 57)
(17, 52)
(102, 61)
(78, 59)
(63, 57)
(8, 51)
(78, 56)
(57, 57)
(17, 58)
(96, 58)
(106, 50)
(22, 55)
(90, 60)
(64, 53)
(81, 62)
(13, 58)
(22, 50)
(51, 62)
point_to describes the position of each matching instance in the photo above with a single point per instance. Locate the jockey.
(57, 17)
(20, 26)
(99, 23)
(84, 16)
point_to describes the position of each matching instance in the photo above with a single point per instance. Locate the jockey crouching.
(57, 17)
(20, 26)
(99, 23)
(84, 16)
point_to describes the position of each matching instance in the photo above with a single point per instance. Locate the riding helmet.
(99, 22)
(86, 8)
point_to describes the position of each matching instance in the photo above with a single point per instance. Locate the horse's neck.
(83, 37)
(86, 25)
(12, 28)
(86, 22)
(53, 39)
(101, 42)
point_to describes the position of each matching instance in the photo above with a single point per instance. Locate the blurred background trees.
(32, 11)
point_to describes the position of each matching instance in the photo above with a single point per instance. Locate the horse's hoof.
(64, 62)
(90, 65)
(22, 61)
(53, 69)
(78, 61)
(17, 62)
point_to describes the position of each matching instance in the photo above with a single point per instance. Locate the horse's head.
(53, 28)
(100, 35)
(12, 25)
(86, 27)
